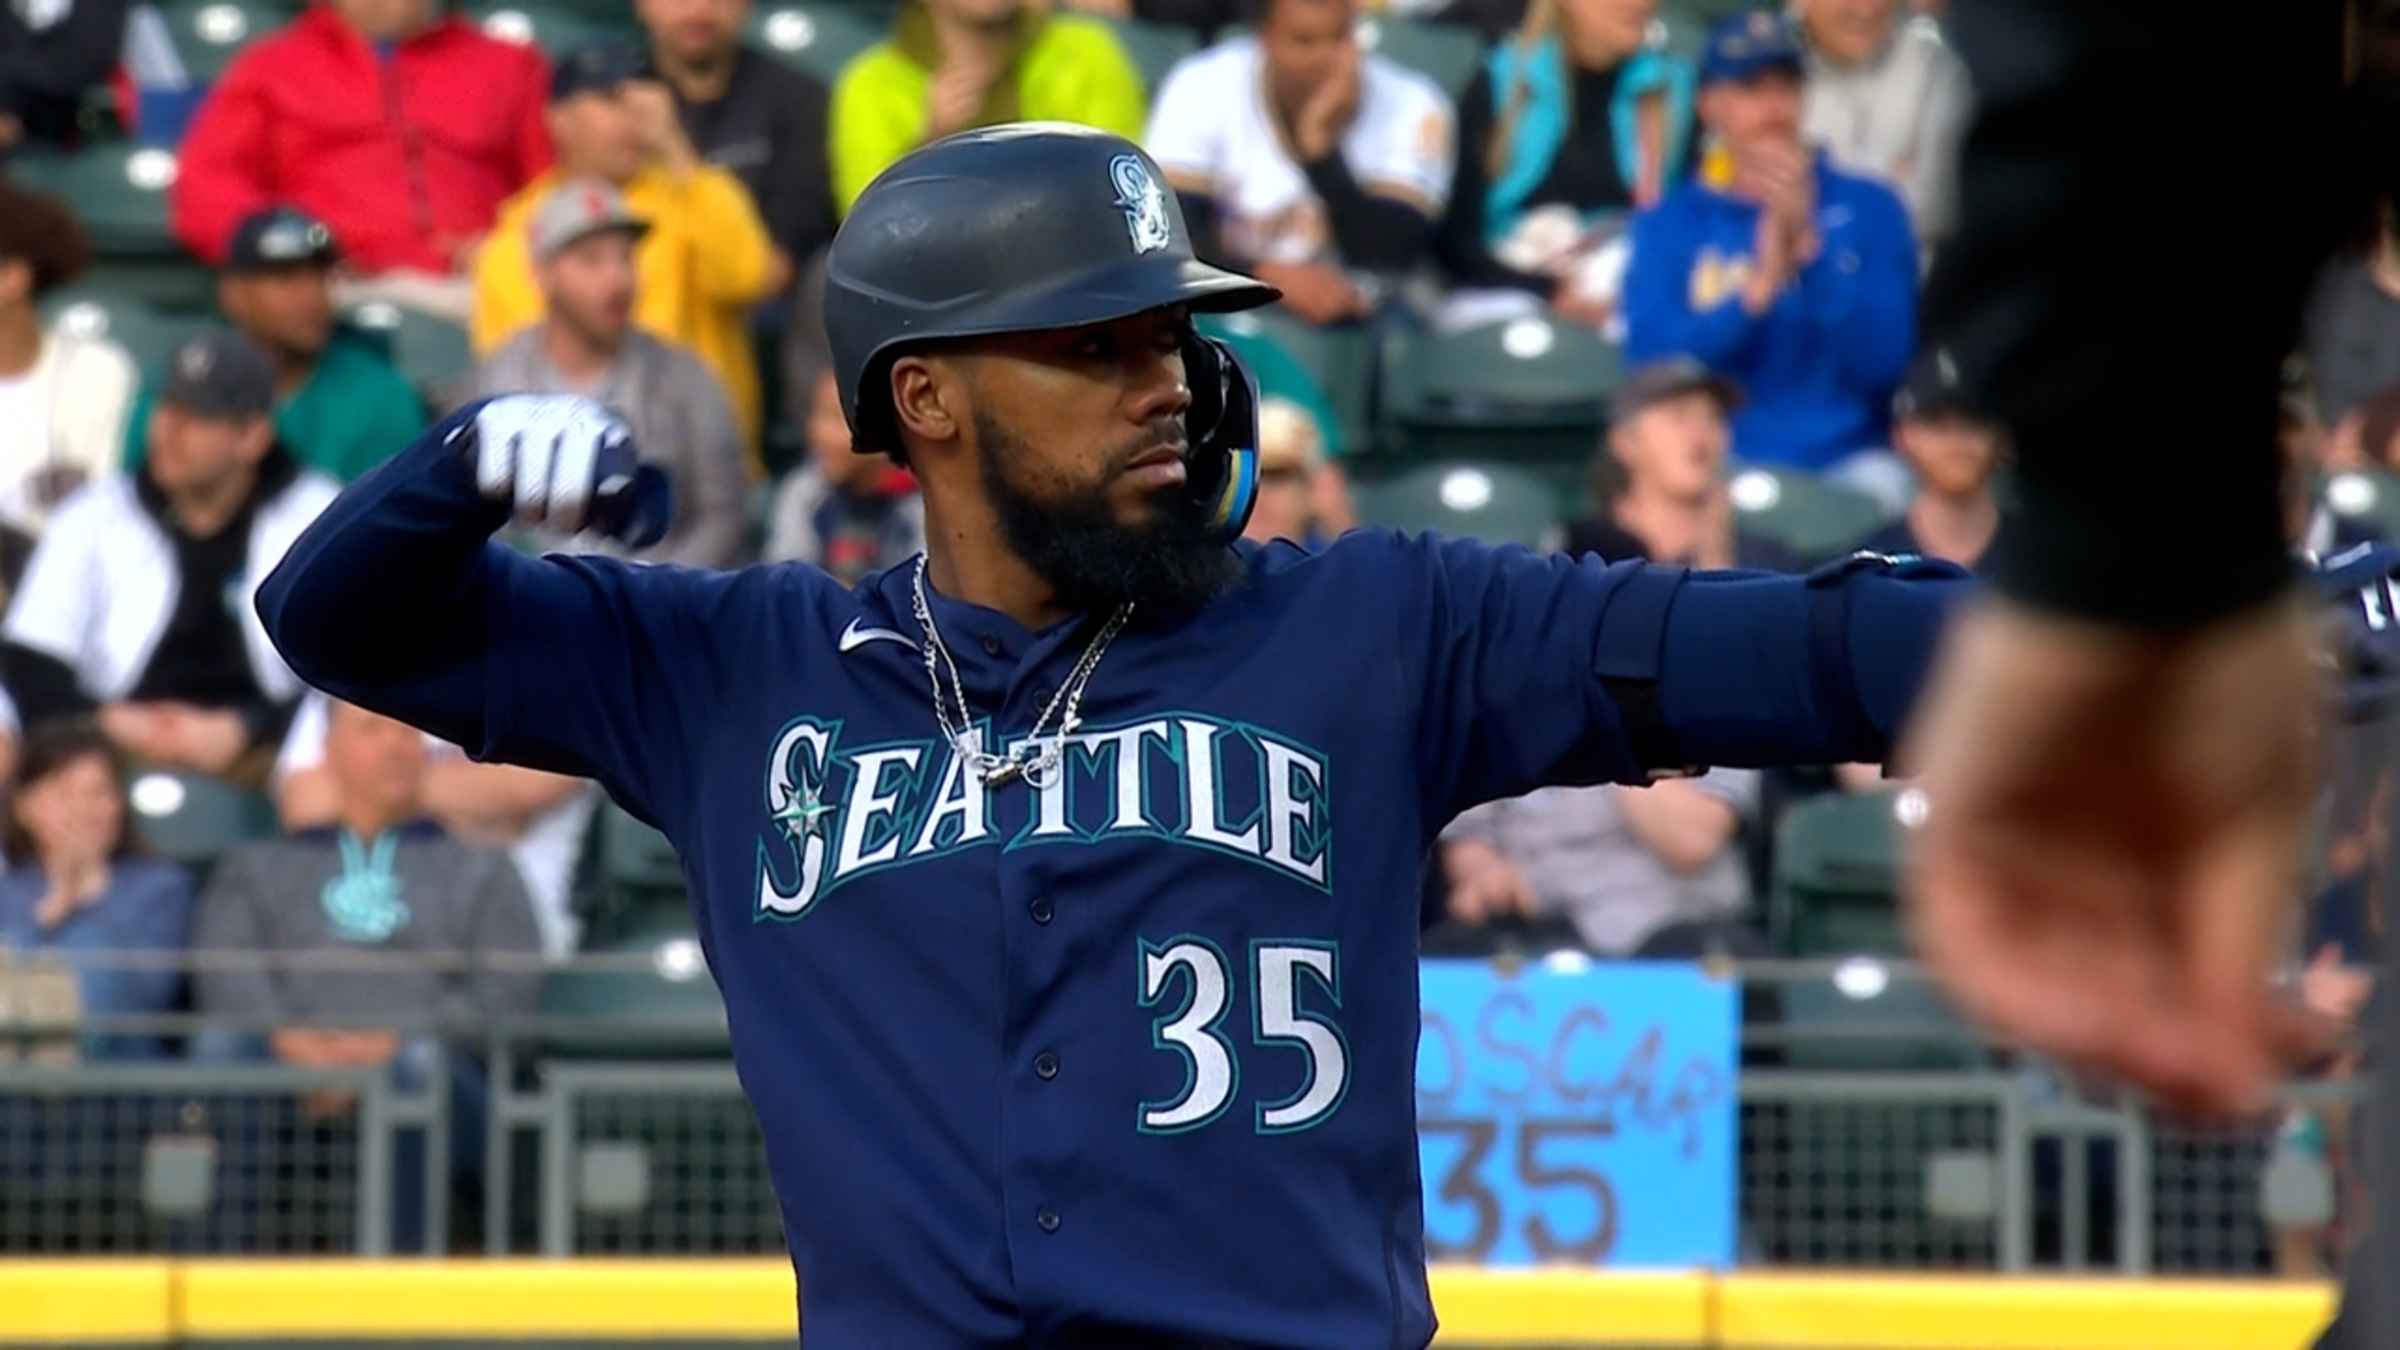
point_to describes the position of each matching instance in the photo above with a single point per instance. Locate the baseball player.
(1062, 882)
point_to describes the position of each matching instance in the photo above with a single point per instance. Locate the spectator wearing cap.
(63, 395)
(138, 601)
(1659, 482)
(1570, 125)
(1889, 100)
(341, 407)
(952, 65)
(706, 258)
(846, 513)
(1956, 457)
(587, 246)
(749, 114)
(1317, 166)
(396, 122)
(1792, 277)
(51, 55)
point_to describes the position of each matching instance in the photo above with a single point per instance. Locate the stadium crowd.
(1738, 204)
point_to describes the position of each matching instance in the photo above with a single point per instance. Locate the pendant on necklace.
(1003, 773)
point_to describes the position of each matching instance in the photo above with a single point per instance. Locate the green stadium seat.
(553, 26)
(148, 335)
(432, 352)
(1837, 873)
(664, 1007)
(209, 34)
(1865, 1020)
(2368, 498)
(1523, 389)
(1443, 52)
(1813, 518)
(819, 39)
(1154, 47)
(1340, 360)
(1493, 502)
(118, 190)
(193, 820)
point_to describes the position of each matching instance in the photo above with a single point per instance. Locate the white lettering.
(962, 794)
(869, 801)
(795, 801)
(1128, 743)
(1289, 811)
(1200, 786)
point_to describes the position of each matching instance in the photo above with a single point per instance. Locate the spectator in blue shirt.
(1775, 269)
(77, 890)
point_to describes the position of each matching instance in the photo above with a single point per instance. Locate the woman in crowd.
(77, 889)
(1570, 125)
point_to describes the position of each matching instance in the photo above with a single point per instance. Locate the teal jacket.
(1543, 123)
(355, 411)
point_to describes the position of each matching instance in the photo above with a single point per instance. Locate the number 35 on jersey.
(1291, 988)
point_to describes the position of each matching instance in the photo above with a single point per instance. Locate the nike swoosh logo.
(854, 637)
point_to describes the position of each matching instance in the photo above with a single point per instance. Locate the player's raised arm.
(397, 598)
(1557, 670)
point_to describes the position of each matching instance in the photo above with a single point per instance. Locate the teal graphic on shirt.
(364, 903)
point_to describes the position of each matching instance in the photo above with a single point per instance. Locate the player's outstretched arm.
(397, 598)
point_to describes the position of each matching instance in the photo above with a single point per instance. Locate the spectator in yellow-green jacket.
(954, 64)
(341, 407)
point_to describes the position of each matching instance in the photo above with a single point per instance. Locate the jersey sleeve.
(1538, 670)
(1411, 153)
(397, 599)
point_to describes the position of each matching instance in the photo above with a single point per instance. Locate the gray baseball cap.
(1668, 378)
(221, 374)
(579, 209)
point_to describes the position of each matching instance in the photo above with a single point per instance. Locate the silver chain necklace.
(994, 770)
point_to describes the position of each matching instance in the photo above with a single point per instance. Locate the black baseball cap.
(280, 236)
(1933, 388)
(594, 67)
(220, 374)
(1671, 377)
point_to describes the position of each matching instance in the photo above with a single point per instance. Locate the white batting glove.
(560, 461)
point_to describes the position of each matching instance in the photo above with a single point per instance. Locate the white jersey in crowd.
(545, 853)
(1212, 133)
(66, 411)
(102, 585)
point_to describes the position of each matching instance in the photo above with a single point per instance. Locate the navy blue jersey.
(1130, 1059)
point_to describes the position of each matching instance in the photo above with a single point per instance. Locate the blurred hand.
(2333, 989)
(652, 105)
(1317, 129)
(204, 740)
(1569, 305)
(1316, 292)
(2113, 845)
(1483, 885)
(959, 89)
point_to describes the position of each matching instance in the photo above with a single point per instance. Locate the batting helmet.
(1028, 226)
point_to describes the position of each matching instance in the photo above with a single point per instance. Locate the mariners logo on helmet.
(1144, 203)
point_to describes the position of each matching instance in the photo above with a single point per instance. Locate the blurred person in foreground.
(587, 243)
(398, 123)
(377, 935)
(341, 406)
(953, 65)
(705, 257)
(2352, 331)
(137, 603)
(1886, 97)
(63, 395)
(1659, 479)
(748, 113)
(1954, 456)
(848, 513)
(1568, 126)
(78, 886)
(51, 56)
(1301, 158)
(1791, 276)
(1302, 496)
(2116, 748)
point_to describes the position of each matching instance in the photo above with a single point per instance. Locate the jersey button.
(991, 646)
(1045, 1066)
(1046, 1219)
(1040, 909)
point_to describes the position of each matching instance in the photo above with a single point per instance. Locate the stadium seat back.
(209, 34)
(1340, 360)
(1837, 872)
(1811, 517)
(2366, 498)
(1154, 47)
(192, 819)
(652, 999)
(635, 858)
(1446, 53)
(819, 39)
(1522, 389)
(1884, 1026)
(554, 26)
(431, 351)
(148, 335)
(118, 190)
(1494, 502)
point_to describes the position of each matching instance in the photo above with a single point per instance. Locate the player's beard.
(1072, 539)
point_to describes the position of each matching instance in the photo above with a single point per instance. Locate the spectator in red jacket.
(399, 125)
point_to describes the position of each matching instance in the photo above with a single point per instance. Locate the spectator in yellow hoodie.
(951, 65)
(706, 259)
